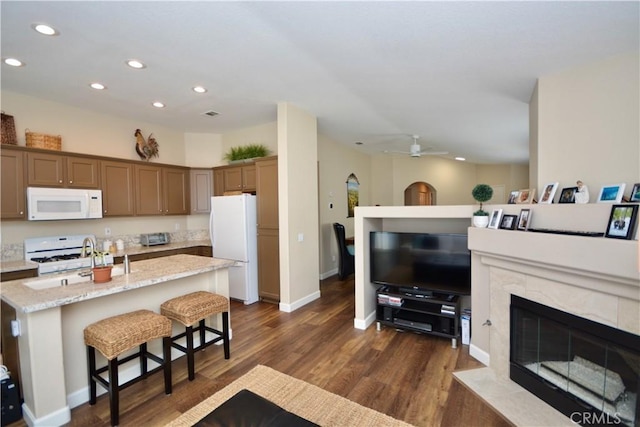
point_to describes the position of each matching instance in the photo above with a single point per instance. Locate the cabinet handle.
(71, 182)
(21, 212)
(60, 181)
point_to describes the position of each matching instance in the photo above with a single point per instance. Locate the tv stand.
(419, 310)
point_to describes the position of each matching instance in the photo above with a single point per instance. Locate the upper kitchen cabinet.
(161, 190)
(12, 185)
(240, 178)
(56, 170)
(218, 182)
(117, 188)
(201, 183)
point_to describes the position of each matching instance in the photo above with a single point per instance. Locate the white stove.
(59, 253)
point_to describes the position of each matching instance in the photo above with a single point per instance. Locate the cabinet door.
(13, 193)
(201, 183)
(218, 182)
(249, 178)
(268, 265)
(176, 191)
(267, 193)
(82, 172)
(45, 170)
(233, 179)
(117, 188)
(149, 200)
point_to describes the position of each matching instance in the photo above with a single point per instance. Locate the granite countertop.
(143, 273)
(9, 266)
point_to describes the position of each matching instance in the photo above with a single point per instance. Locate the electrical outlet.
(333, 258)
(107, 231)
(177, 226)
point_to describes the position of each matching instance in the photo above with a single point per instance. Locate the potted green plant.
(101, 270)
(481, 193)
(246, 152)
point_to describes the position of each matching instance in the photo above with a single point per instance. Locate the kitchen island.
(51, 343)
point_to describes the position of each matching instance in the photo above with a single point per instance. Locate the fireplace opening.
(584, 369)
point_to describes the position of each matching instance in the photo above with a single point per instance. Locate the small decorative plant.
(481, 193)
(246, 152)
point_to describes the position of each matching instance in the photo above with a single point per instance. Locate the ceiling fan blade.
(433, 153)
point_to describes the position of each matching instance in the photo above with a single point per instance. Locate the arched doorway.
(420, 194)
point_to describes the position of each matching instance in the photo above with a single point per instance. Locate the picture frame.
(622, 221)
(635, 193)
(494, 219)
(513, 197)
(568, 195)
(524, 219)
(526, 196)
(611, 193)
(509, 222)
(548, 193)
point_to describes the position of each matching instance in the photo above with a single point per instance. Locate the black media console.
(419, 310)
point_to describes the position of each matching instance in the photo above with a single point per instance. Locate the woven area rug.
(296, 396)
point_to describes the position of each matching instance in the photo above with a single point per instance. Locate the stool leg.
(91, 363)
(202, 331)
(143, 358)
(225, 333)
(166, 344)
(190, 358)
(114, 392)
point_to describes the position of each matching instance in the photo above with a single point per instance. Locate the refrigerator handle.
(211, 230)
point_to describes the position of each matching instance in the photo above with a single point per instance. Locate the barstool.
(196, 307)
(113, 336)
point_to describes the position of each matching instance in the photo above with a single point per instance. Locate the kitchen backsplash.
(15, 251)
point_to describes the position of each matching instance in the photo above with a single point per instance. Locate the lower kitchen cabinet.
(269, 265)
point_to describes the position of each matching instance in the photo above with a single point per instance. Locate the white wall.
(336, 162)
(298, 206)
(589, 125)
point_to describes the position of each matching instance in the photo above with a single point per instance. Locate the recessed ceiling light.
(134, 63)
(199, 89)
(158, 104)
(14, 62)
(461, 159)
(98, 86)
(45, 29)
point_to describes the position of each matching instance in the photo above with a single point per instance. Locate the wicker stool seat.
(113, 336)
(195, 308)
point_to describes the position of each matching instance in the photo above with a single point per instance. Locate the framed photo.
(568, 195)
(524, 219)
(635, 193)
(548, 193)
(622, 221)
(611, 193)
(494, 220)
(509, 222)
(513, 197)
(526, 196)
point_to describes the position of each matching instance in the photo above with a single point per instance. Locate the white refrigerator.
(233, 231)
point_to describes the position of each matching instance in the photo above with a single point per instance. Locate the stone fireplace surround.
(594, 278)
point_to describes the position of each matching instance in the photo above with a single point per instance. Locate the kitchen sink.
(71, 278)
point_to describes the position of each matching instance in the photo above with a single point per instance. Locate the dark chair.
(346, 260)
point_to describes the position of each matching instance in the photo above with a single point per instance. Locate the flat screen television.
(435, 262)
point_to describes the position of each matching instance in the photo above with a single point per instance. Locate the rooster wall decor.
(146, 149)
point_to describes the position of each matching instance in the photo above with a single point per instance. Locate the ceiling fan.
(416, 151)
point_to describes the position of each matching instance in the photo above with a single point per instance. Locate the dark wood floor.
(405, 375)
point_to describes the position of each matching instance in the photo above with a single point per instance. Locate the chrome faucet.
(92, 247)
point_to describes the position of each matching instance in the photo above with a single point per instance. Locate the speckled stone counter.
(51, 345)
(143, 273)
(9, 266)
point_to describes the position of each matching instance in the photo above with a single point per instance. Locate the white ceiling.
(459, 74)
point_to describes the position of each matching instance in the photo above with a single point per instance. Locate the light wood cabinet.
(161, 190)
(268, 229)
(118, 189)
(201, 183)
(13, 193)
(218, 182)
(63, 171)
(240, 178)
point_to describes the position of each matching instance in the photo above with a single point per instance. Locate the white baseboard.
(288, 308)
(328, 273)
(366, 322)
(58, 418)
(480, 355)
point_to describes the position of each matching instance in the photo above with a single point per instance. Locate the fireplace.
(586, 370)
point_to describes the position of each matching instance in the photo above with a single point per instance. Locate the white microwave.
(63, 203)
